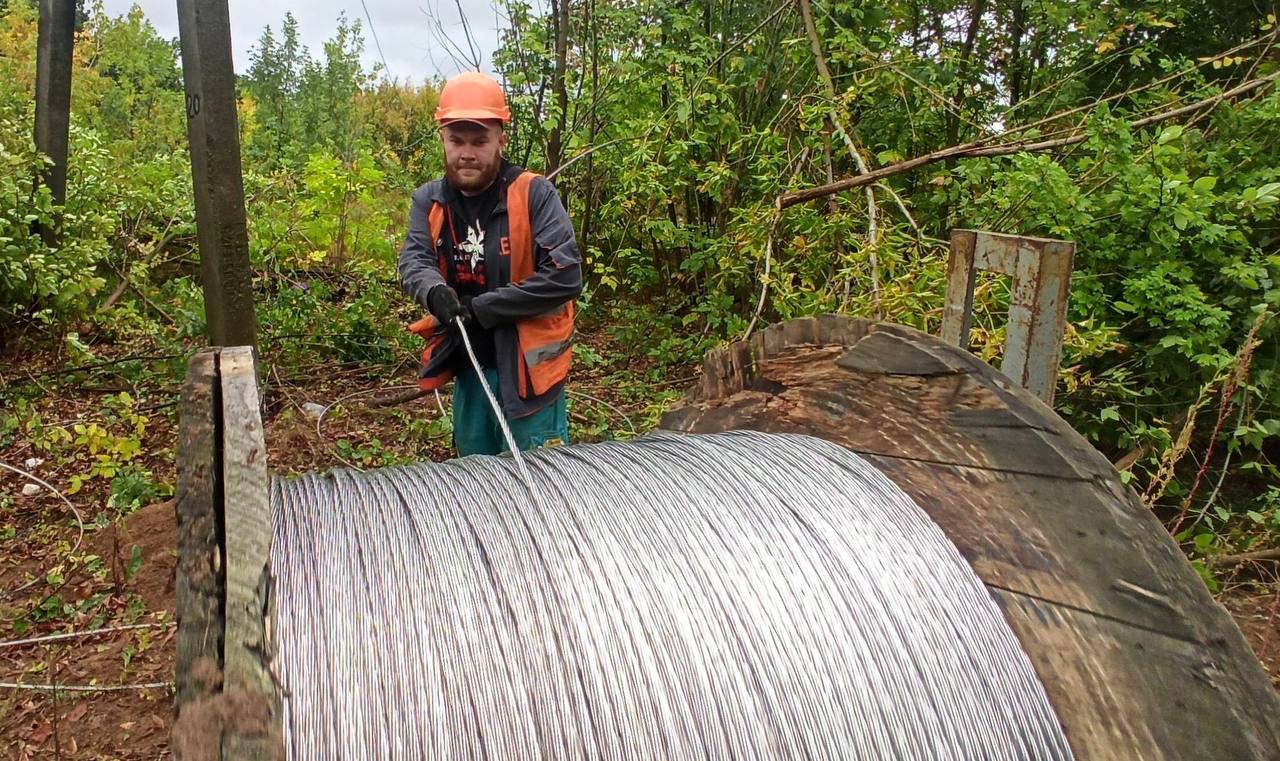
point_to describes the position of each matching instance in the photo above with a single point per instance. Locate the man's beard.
(473, 183)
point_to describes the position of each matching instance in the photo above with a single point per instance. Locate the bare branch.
(970, 150)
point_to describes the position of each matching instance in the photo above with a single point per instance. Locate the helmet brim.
(478, 116)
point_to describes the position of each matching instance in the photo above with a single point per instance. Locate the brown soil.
(124, 725)
(1258, 616)
(154, 531)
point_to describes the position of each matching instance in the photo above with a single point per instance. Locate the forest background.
(1147, 131)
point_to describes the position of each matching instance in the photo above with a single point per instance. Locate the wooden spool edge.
(228, 702)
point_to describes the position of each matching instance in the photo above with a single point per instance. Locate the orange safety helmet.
(472, 97)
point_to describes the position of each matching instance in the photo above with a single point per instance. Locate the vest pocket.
(546, 350)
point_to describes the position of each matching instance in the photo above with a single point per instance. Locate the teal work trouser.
(476, 430)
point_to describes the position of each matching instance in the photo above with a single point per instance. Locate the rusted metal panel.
(1041, 272)
(1138, 659)
(957, 313)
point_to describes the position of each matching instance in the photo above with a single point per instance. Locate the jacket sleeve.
(419, 269)
(557, 276)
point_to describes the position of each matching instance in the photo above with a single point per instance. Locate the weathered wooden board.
(228, 706)
(248, 647)
(1137, 658)
(198, 585)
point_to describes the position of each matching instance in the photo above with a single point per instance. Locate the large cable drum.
(1137, 659)
(872, 546)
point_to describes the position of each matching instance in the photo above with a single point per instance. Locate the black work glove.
(444, 305)
(468, 308)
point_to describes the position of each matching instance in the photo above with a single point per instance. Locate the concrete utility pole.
(204, 27)
(54, 43)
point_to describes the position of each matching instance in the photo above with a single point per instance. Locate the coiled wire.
(738, 595)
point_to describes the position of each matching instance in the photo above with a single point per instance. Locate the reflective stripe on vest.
(546, 340)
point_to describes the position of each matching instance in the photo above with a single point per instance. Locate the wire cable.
(739, 595)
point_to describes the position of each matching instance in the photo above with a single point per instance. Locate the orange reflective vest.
(544, 342)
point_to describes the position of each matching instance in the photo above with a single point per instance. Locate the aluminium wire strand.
(737, 595)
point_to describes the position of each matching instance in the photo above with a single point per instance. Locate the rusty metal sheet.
(1041, 273)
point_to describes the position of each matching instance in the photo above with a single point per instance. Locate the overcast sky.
(407, 30)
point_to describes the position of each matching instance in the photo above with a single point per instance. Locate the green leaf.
(1203, 542)
(135, 563)
(1206, 183)
(1109, 413)
(1205, 575)
(1169, 134)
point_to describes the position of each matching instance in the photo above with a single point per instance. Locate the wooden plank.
(893, 410)
(199, 587)
(249, 648)
(889, 354)
(1070, 542)
(1125, 693)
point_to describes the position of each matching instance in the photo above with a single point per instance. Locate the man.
(491, 245)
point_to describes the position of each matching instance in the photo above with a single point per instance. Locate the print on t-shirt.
(470, 259)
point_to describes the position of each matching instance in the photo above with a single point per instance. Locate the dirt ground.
(124, 724)
(1256, 611)
(111, 584)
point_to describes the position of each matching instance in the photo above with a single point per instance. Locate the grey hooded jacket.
(557, 275)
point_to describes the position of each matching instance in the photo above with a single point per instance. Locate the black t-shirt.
(470, 216)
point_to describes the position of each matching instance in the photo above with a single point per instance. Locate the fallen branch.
(400, 396)
(114, 297)
(85, 687)
(83, 634)
(1246, 557)
(981, 149)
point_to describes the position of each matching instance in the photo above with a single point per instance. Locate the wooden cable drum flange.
(227, 701)
(1137, 658)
